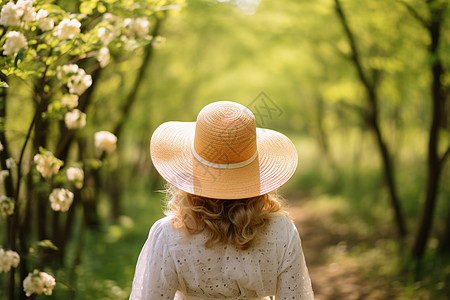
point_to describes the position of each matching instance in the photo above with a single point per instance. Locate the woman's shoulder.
(161, 226)
(162, 222)
(281, 227)
(280, 219)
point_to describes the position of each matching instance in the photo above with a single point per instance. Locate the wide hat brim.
(172, 156)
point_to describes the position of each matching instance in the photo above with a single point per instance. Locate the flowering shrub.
(14, 42)
(75, 119)
(76, 176)
(67, 29)
(59, 54)
(61, 199)
(10, 163)
(13, 14)
(8, 259)
(38, 283)
(105, 141)
(6, 205)
(69, 101)
(47, 164)
(44, 22)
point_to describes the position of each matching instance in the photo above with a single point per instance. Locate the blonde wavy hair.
(236, 222)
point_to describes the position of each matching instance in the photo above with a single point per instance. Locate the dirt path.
(331, 281)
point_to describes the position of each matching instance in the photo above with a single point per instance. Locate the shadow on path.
(331, 280)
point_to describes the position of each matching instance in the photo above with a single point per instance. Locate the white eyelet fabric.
(173, 265)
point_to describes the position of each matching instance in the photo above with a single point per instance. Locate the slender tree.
(370, 84)
(435, 161)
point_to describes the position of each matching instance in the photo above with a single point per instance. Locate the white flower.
(141, 26)
(41, 14)
(78, 80)
(79, 83)
(130, 44)
(61, 199)
(128, 24)
(6, 205)
(47, 164)
(8, 259)
(10, 163)
(68, 28)
(38, 283)
(109, 18)
(14, 42)
(138, 27)
(5, 264)
(105, 141)
(25, 10)
(1, 147)
(3, 175)
(14, 257)
(45, 24)
(75, 175)
(9, 15)
(65, 70)
(75, 119)
(103, 57)
(69, 101)
(12, 14)
(105, 35)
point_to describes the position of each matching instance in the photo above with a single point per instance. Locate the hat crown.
(225, 133)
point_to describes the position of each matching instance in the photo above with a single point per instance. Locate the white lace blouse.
(173, 265)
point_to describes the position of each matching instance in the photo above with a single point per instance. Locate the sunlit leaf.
(47, 244)
(87, 7)
(101, 8)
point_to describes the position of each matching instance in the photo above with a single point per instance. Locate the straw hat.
(223, 155)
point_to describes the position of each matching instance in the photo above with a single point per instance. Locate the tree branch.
(370, 85)
(341, 53)
(355, 56)
(148, 53)
(415, 14)
(40, 108)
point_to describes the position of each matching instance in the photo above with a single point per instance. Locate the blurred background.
(361, 87)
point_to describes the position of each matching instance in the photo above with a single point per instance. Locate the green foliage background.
(295, 52)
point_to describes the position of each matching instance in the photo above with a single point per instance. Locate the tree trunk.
(444, 241)
(148, 54)
(434, 162)
(40, 131)
(116, 186)
(388, 166)
(370, 86)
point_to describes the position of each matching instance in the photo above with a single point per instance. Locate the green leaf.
(87, 7)
(52, 8)
(42, 46)
(19, 57)
(101, 8)
(94, 164)
(47, 244)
